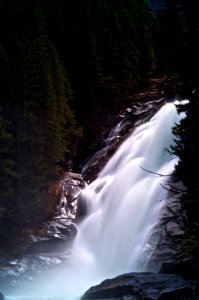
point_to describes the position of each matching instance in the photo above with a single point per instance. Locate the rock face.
(71, 186)
(169, 239)
(144, 286)
(57, 233)
(50, 245)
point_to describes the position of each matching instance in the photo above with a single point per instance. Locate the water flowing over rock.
(144, 106)
(50, 245)
(127, 190)
(127, 218)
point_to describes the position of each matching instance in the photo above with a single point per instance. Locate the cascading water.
(123, 204)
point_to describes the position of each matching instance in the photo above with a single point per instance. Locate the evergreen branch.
(169, 151)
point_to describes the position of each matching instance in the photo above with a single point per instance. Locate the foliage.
(180, 54)
(187, 150)
(65, 64)
(37, 125)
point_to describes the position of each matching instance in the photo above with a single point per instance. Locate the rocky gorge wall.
(170, 245)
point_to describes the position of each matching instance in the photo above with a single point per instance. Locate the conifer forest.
(64, 66)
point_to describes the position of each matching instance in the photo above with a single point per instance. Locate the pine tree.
(187, 150)
(38, 129)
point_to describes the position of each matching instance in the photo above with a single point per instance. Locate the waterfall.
(123, 204)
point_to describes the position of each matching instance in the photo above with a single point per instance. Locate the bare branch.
(175, 188)
(161, 175)
(172, 190)
(168, 186)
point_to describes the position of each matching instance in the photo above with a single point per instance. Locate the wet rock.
(15, 272)
(174, 229)
(81, 207)
(71, 185)
(50, 244)
(144, 286)
(188, 268)
(168, 240)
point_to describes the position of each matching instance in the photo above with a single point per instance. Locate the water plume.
(123, 205)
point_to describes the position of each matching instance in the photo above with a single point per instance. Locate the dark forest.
(64, 65)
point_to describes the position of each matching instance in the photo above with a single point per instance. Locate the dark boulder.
(187, 268)
(144, 286)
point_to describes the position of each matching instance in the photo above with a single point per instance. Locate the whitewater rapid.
(123, 205)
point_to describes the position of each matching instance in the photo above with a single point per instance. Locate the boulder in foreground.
(144, 286)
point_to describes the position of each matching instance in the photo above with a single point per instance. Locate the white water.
(124, 204)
